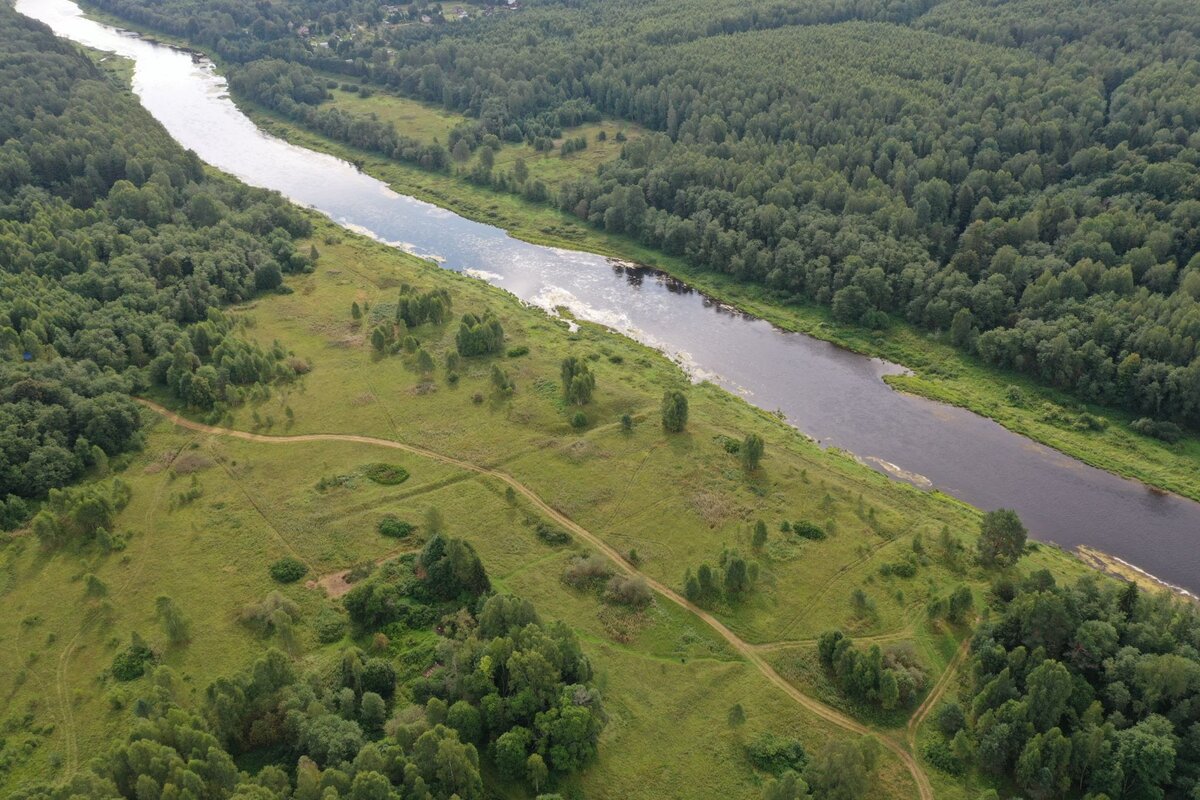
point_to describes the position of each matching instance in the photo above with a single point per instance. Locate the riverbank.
(939, 371)
(1098, 436)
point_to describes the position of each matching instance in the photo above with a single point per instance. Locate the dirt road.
(751, 654)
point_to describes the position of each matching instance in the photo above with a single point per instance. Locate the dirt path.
(878, 638)
(816, 707)
(939, 689)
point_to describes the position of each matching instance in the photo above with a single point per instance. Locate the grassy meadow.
(209, 514)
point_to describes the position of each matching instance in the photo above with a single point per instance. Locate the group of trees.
(578, 381)
(1088, 689)
(1024, 181)
(447, 570)
(892, 679)
(115, 251)
(479, 336)
(731, 580)
(499, 684)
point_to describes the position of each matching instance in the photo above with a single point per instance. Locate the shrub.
(904, 568)
(807, 530)
(517, 352)
(551, 534)
(330, 626)
(628, 590)
(272, 614)
(1168, 432)
(386, 474)
(130, 663)
(579, 420)
(585, 570)
(395, 528)
(288, 570)
(776, 754)
(938, 753)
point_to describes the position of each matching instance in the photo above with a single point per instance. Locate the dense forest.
(1021, 176)
(1088, 690)
(116, 252)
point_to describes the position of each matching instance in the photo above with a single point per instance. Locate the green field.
(427, 124)
(678, 500)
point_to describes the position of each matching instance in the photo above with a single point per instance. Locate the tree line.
(116, 252)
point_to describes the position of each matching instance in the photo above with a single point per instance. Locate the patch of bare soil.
(334, 584)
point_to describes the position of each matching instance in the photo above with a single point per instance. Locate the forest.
(1083, 689)
(118, 251)
(1023, 180)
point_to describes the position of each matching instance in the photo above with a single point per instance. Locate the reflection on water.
(833, 395)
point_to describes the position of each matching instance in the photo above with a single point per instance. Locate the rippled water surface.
(835, 396)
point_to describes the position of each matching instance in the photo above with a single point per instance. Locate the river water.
(833, 395)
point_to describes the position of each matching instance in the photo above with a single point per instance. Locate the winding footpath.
(748, 651)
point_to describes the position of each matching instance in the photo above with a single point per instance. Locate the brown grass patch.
(188, 463)
(712, 507)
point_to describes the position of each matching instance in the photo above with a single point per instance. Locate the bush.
(130, 663)
(1168, 432)
(395, 528)
(938, 753)
(585, 570)
(551, 534)
(776, 754)
(288, 570)
(274, 612)
(386, 474)
(517, 352)
(807, 530)
(904, 568)
(628, 590)
(579, 420)
(330, 626)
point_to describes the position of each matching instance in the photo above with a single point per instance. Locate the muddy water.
(833, 395)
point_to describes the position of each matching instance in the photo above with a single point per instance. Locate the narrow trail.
(61, 691)
(939, 689)
(752, 655)
(878, 638)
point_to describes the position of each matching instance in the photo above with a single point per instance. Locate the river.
(835, 396)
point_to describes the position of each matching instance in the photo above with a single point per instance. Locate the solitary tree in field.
(172, 619)
(355, 311)
(1001, 538)
(760, 535)
(674, 411)
(424, 362)
(751, 451)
